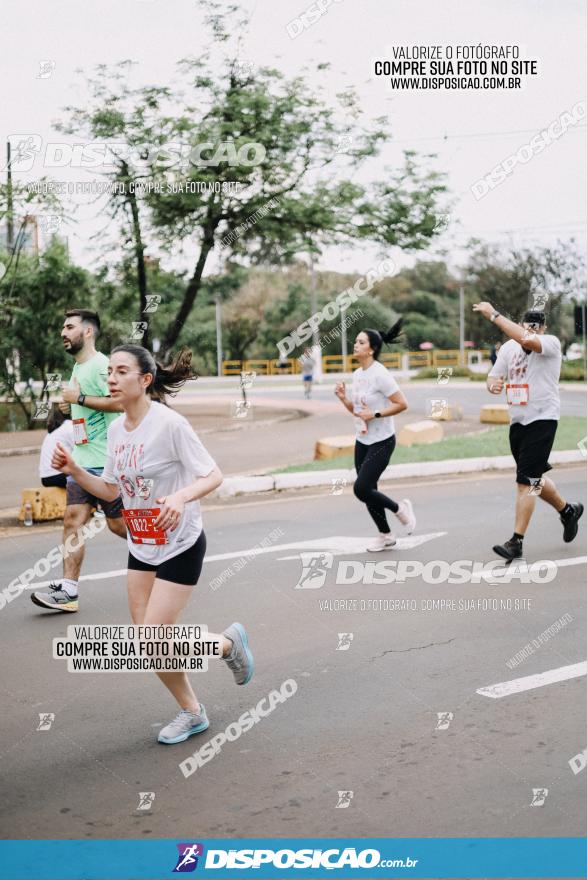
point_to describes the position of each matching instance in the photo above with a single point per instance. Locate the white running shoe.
(406, 516)
(382, 542)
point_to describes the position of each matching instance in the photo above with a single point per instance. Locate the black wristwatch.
(377, 414)
(81, 400)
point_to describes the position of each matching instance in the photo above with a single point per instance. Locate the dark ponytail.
(166, 379)
(378, 338)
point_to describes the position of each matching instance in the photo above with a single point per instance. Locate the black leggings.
(370, 462)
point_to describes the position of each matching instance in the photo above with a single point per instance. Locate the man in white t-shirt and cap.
(529, 365)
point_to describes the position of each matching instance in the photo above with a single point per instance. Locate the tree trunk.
(191, 292)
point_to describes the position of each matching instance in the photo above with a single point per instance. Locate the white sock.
(69, 587)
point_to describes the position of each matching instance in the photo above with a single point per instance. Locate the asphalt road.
(470, 395)
(256, 447)
(364, 719)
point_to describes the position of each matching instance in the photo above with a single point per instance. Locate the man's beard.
(75, 346)
(527, 350)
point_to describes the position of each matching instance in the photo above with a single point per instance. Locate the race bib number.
(141, 525)
(516, 395)
(79, 432)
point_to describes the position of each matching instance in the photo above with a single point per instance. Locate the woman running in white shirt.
(158, 464)
(59, 430)
(376, 398)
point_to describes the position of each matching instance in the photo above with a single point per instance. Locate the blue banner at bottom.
(294, 857)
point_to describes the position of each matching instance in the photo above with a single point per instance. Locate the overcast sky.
(471, 131)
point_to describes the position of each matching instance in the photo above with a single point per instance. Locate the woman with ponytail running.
(375, 400)
(158, 464)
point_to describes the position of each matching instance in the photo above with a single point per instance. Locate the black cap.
(534, 316)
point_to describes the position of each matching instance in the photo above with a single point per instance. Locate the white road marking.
(337, 544)
(340, 546)
(529, 682)
(101, 575)
(573, 560)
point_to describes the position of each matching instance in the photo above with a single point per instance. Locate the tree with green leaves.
(246, 165)
(515, 279)
(31, 320)
(426, 296)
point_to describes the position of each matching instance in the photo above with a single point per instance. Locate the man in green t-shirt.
(92, 410)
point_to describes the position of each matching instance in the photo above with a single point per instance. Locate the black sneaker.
(511, 549)
(571, 521)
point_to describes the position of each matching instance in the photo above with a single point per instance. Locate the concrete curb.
(22, 450)
(252, 485)
(263, 483)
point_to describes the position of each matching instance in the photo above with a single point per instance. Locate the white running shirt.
(372, 388)
(162, 455)
(540, 371)
(64, 435)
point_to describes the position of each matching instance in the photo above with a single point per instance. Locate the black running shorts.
(531, 445)
(185, 568)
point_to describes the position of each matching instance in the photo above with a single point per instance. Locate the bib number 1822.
(141, 525)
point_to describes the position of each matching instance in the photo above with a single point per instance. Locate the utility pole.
(316, 350)
(462, 325)
(9, 203)
(343, 337)
(584, 347)
(218, 337)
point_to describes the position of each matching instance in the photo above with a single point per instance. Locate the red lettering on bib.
(141, 525)
(517, 395)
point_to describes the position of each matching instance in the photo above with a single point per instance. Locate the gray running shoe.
(240, 659)
(57, 599)
(184, 725)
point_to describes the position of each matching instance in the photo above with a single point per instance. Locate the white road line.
(340, 546)
(529, 682)
(101, 575)
(573, 560)
(336, 544)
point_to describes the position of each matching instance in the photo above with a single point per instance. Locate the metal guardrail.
(333, 363)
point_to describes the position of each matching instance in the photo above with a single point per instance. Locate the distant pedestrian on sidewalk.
(376, 399)
(307, 363)
(494, 353)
